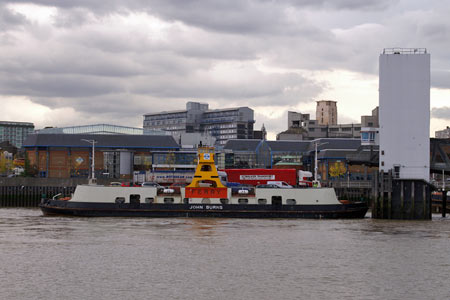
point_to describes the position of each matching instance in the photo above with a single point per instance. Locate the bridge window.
(206, 168)
(291, 201)
(168, 200)
(134, 198)
(120, 200)
(262, 201)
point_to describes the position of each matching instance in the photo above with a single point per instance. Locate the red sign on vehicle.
(206, 192)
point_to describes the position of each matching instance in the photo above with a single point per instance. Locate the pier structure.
(403, 190)
(404, 199)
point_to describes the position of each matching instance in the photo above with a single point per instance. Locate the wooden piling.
(412, 201)
(389, 193)
(444, 203)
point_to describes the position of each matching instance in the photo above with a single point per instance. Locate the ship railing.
(362, 184)
(404, 50)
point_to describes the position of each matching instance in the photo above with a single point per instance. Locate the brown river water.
(126, 258)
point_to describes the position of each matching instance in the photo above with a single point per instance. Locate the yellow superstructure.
(206, 174)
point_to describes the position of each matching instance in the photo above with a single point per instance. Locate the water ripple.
(126, 258)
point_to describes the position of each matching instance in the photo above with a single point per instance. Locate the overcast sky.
(78, 62)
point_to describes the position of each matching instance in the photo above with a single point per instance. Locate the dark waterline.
(125, 258)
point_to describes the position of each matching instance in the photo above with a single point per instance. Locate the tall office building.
(15, 132)
(326, 112)
(404, 112)
(222, 124)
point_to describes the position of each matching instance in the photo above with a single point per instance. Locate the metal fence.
(30, 196)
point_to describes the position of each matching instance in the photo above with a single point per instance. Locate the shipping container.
(261, 176)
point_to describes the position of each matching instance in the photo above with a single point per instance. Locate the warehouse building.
(116, 156)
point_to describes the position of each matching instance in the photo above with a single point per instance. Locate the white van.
(281, 184)
(223, 177)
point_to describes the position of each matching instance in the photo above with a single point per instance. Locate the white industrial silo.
(404, 91)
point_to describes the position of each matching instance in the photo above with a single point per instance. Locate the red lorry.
(262, 176)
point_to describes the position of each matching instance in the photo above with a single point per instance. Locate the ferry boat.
(205, 196)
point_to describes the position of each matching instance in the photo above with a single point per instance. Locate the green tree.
(6, 163)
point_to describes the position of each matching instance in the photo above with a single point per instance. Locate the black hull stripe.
(357, 210)
(201, 210)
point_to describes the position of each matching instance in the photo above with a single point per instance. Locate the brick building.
(116, 156)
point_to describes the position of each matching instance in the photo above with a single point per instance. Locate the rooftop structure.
(405, 50)
(301, 127)
(100, 129)
(326, 112)
(371, 121)
(103, 141)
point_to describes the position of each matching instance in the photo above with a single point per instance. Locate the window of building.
(365, 136)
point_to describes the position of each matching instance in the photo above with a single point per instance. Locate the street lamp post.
(92, 180)
(316, 181)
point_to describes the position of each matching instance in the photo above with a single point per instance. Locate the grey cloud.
(440, 78)
(94, 5)
(225, 16)
(119, 108)
(425, 29)
(233, 16)
(72, 62)
(78, 63)
(256, 88)
(10, 19)
(357, 5)
(57, 85)
(441, 113)
(204, 45)
(73, 17)
(112, 4)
